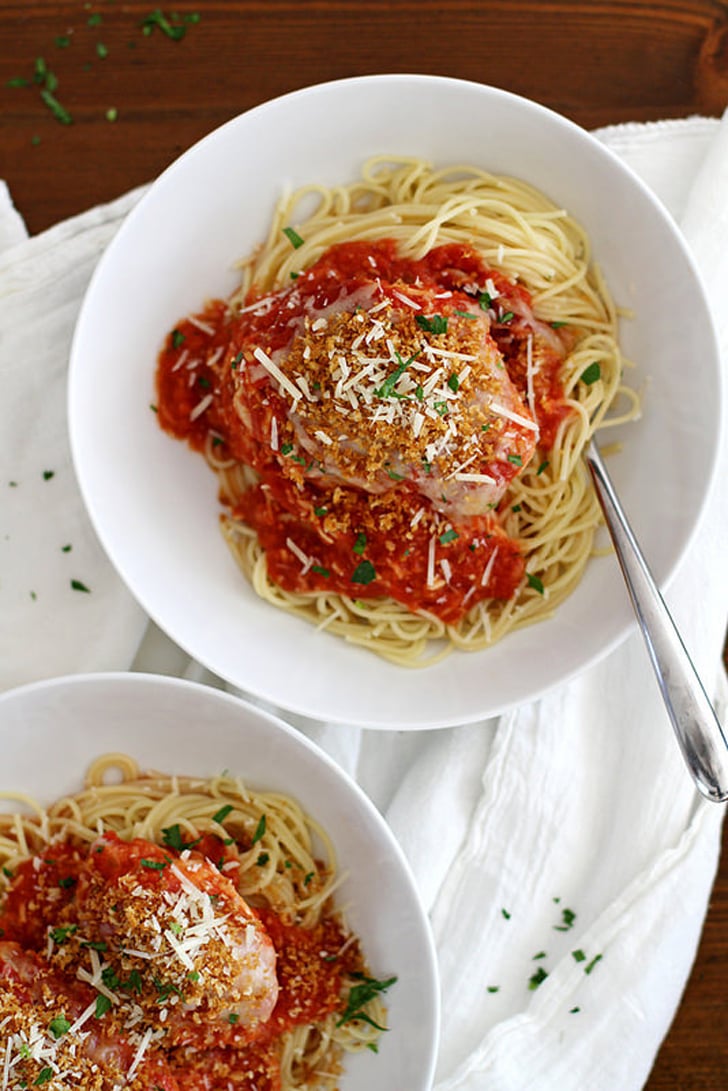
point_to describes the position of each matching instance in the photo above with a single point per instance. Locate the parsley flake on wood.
(157, 20)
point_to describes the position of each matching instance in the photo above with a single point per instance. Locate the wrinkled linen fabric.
(561, 851)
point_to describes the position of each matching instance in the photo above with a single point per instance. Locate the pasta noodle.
(283, 864)
(536, 260)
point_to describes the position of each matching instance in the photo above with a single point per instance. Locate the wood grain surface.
(137, 98)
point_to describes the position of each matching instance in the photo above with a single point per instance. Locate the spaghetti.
(396, 401)
(175, 933)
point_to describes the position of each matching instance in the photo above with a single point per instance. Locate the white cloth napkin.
(562, 839)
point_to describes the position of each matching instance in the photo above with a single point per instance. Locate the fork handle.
(698, 730)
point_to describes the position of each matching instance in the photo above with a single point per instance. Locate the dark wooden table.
(98, 97)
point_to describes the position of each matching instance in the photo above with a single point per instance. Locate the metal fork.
(698, 730)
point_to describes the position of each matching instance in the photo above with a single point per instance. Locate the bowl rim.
(668, 570)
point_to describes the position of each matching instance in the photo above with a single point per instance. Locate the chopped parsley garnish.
(174, 30)
(308, 877)
(590, 374)
(95, 20)
(359, 997)
(110, 978)
(534, 582)
(544, 466)
(506, 914)
(453, 382)
(59, 1026)
(236, 360)
(558, 325)
(293, 237)
(466, 314)
(164, 991)
(440, 407)
(101, 51)
(67, 882)
(153, 865)
(448, 536)
(516, 460)
(59, 112)
(320, 511)
(364, 573)
(259, 830)
(493, 988)
(538, 955)
(48, 474)
(263, 859)
(386, 390)
(61, 934)
(286, 448)
(535, 980)
(7, 872)
(360, 544)
(568, 916)
(222, 814)
(133, 983)
(103, 1004)
(578, 955)
(436, 323)
(78, 586)
(44, 1076)
(507, 317)
(515, 507)
(111, 114)
(320, 570)
(590, 965)
(95, 945)
(178, 339)
(233, 1017)
(172, 836)
(484, 301)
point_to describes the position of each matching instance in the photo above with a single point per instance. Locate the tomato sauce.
(39, 904)
(350, 540)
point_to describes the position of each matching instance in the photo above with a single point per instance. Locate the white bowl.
(50, 731)
(153, 502)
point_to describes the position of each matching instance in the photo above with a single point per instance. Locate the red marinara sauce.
(323, 531)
